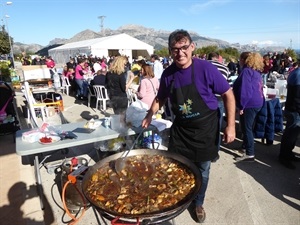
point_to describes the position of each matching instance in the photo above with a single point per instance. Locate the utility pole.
(102, 24)
(10, 44)
(291, 44)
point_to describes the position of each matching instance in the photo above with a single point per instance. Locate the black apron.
(194, 133)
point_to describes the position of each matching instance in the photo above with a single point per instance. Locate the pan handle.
(117, 221)
(125, 153)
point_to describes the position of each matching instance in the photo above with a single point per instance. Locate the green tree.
(292, 53)
(229, 54)
(4, 71)
(232, 51)
(164, 52)
(4, 42)
(206, 50)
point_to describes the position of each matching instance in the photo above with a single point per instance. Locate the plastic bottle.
(157, 141)
(106, 122)
(146, 143)
(283, 92)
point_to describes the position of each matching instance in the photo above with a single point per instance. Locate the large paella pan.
(154, 185)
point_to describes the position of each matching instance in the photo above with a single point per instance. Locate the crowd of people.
(145, 79)
(38, 60)
(198, 90)
(83, 72)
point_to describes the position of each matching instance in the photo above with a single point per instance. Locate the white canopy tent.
(120, 44)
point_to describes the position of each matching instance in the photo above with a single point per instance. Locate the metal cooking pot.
(168, 213)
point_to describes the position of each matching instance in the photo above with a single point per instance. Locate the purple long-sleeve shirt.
(208, 80)
(248, 90)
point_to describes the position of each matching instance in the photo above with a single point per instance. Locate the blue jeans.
(290, 134)
(80, 90)
(85, 86)
(247, 121)
(204, 168)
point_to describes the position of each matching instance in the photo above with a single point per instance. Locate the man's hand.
(147, 120)
(153, 109)
(229, 104)
(229, 134)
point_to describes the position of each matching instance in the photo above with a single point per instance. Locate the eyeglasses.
(182, 48)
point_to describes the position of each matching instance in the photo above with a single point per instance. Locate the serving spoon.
(120, 162)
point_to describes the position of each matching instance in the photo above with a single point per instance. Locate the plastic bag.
(116, 144)
(136, 112)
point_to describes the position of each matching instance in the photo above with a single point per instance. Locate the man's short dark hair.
(155, 56)
(178, 35)
(212, 55)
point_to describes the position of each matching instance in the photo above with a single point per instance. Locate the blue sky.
(260, 22)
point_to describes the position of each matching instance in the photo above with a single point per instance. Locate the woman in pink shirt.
(148, 86)
(79, 72)
(50, 62)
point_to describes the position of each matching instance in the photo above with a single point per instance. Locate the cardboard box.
(36, 72)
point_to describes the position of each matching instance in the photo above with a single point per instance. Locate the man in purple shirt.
(191, 85)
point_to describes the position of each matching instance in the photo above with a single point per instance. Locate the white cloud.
(265, 43)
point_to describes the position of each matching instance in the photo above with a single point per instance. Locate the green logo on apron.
(186, 107)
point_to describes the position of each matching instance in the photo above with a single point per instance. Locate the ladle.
(120, 162)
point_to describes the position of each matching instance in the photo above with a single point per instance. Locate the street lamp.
(3, 9)
(10, 44)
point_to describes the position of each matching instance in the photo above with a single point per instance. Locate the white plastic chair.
(131, 96)
(65, 87)
(101, 96)
(90, 95)
(33, 105)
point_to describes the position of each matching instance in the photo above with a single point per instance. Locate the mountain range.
(156, 38)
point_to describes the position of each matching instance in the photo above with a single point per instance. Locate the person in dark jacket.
(99, 79)
(248, 92)
(37, 61)
(71, 64)
(117, 86)
(292, 114)
(232, 67)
